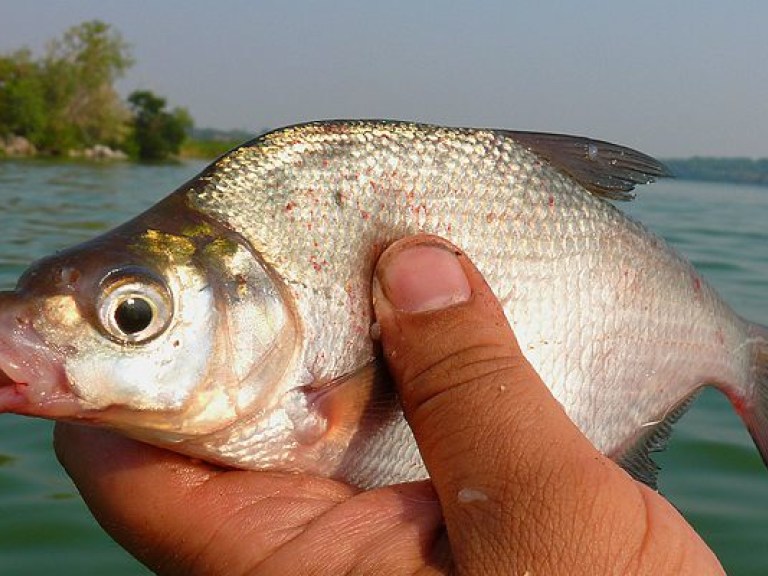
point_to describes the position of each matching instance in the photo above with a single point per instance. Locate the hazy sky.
(673, 78)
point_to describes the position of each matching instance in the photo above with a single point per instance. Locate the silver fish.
(231, 320)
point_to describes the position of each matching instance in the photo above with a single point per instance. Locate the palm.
(181, 516)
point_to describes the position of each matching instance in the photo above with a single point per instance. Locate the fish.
(232, 321)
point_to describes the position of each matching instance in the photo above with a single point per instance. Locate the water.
(44, 526)
(711, 472)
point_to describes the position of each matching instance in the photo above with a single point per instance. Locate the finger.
(520, 486)
(179, 516)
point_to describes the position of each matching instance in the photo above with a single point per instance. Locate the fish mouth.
(11, 392)
(32, 377)
(34, 386)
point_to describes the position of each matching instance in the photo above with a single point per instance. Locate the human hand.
(517, 488)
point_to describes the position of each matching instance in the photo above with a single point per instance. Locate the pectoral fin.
(354, 400)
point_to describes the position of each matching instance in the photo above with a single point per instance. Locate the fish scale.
(620, 327)
(527, 227)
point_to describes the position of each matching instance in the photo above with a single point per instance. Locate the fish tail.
(754, 410)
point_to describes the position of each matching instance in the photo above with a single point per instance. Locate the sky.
(671, 78)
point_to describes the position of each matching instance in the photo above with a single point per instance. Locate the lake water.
(711, 471)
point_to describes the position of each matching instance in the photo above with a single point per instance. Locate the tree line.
(737, 170)
(66, 100)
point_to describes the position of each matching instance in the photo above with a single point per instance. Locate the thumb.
(522, 490)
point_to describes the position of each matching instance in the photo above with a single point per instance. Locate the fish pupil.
(133, 315)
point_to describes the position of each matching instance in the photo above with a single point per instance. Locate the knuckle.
(462, 370)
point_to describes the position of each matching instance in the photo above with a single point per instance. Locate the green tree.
(67, 99)
(22, 96)
(80, 70)
(157, 133)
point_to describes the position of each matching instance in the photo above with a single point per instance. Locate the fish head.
(167, 327)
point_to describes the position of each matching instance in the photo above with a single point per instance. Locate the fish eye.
(134, 315)
(133, 309)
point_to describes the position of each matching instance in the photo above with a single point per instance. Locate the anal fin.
(636, 457)
(753, 409)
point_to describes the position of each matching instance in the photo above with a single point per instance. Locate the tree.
(80, 69)
(157, 133)
(22, 96)
(67, 99)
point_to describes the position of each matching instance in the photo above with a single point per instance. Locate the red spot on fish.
(720, 336)
(490, 217)
(325, 163)
(738, 402)
(290, 206)
(696, 285)
(417, 210)
(318, 266)
(551, 201)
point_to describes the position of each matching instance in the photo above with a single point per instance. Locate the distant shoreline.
(696, 168)
(16, 148)
(727, 170)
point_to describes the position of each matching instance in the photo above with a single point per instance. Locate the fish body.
(232, 320)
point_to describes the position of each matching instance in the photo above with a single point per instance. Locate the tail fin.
(755, 409)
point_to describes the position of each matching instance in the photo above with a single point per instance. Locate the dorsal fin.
(636, 458)
(607, 170)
